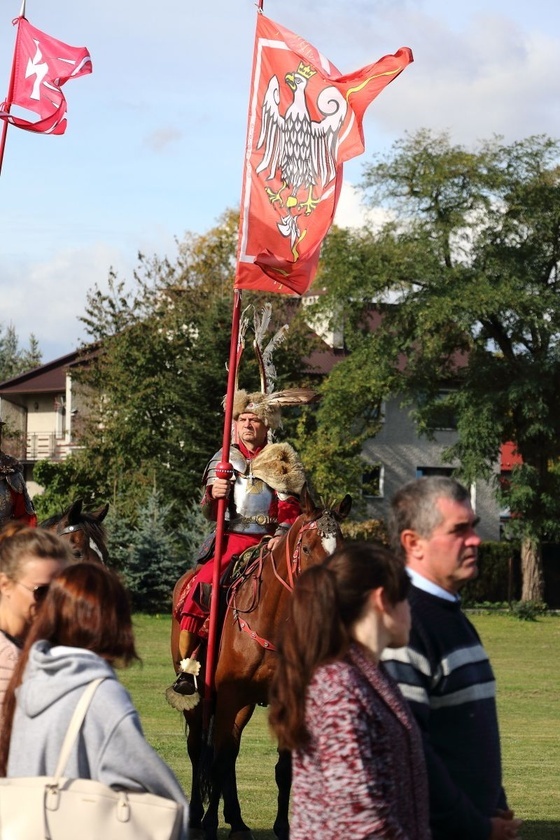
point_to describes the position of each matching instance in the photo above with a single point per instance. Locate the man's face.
(449, 556)
(251, 431)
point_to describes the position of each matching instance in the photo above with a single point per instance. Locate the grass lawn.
(523, 655)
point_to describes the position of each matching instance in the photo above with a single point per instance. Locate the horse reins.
(293, 566)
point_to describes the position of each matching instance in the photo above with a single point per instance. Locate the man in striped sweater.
(444, 672)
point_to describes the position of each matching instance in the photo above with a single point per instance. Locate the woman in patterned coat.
(358, 765)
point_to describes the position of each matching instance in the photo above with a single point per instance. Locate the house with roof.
(42, 409)
(398, 453)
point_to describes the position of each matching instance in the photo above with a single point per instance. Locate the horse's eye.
(306, 549)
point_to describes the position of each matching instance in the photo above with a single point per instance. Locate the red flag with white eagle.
(41, 66)
(305, 120)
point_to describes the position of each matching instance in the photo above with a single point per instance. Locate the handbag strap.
(75, 725)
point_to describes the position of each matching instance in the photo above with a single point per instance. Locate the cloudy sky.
(155, 135)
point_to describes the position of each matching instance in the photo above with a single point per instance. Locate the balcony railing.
(38, 446)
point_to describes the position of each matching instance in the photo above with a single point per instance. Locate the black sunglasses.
(39, 592)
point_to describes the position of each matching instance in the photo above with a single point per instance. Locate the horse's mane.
(51, 521)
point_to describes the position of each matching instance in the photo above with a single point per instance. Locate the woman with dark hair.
(358, 765)
(29, 559)
(82, 630)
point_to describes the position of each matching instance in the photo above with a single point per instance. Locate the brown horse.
(83, 530)
(257, 604)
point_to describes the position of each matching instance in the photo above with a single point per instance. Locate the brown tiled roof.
(49, 377)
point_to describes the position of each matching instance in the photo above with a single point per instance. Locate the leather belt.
(256, 519)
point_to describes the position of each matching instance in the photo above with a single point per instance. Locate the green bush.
(528, 610)
(369, 529)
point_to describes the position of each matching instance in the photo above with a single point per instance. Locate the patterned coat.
(363, 774)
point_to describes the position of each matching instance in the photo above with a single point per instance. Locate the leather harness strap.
(262, 642)
(293, 565)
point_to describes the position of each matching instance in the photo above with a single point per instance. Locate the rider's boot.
(188, 642)
(183, 693)
(189, 666)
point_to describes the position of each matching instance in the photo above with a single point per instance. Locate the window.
(425, 471)
(373, 480)
(442, 415)
(376, 412)
(60, 415)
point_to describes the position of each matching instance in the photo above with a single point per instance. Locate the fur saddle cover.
(278, 465)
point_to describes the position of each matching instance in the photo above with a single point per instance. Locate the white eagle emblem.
(302, 150)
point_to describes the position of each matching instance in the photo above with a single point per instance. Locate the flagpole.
(223, 470)
(10, 94)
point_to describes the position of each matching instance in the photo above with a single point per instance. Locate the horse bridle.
(71, 529)
(326, 526)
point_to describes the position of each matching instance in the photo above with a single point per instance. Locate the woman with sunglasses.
(29, 559)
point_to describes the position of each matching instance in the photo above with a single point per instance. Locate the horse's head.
(83, 530)
(317, 532)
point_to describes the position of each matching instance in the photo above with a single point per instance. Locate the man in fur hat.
(15, 502)
(263, 500)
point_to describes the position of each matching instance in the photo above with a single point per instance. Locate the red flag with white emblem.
(41, 66)
(305, 120)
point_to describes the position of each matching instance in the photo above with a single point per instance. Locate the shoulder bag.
(58, 808)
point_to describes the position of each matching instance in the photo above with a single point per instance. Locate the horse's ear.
(101, 513)
(306, 500)
(343, 508)
(74, 511)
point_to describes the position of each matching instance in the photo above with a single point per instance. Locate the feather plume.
(268, 365)
(261, 322)
(293, 396)
(243, 324)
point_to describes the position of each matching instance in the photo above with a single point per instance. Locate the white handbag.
(57, 808)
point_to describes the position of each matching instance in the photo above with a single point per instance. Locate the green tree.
(464, 273)
(63, 485)
(151, 561)
(13, 358)
(156, 375)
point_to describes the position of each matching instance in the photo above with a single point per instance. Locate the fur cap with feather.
(267, 407)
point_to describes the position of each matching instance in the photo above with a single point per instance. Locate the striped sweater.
(446, 676)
